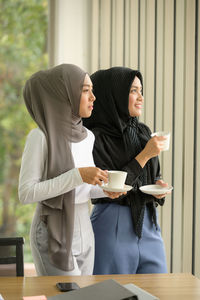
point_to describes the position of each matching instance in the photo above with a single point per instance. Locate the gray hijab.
(52, 98)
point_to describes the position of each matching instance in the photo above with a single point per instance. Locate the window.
(23, 51)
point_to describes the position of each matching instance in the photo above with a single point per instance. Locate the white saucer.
(109, 189)
(155, 189)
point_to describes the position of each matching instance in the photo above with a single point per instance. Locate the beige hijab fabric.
(52, 98)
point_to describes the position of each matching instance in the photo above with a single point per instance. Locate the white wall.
(161, 38)
(69, 32)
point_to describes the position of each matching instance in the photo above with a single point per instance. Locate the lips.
(138, 106)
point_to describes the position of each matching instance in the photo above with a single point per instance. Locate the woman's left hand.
(114, 195)
(163, 184)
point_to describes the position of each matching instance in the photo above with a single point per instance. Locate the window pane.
(23, 51)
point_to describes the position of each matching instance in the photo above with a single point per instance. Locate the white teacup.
(116, 179)
(167, 141)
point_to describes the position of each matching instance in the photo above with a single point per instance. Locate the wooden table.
(181, 286)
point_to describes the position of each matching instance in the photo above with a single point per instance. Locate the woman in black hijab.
(127, 235)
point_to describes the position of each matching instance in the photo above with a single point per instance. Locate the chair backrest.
(17, 258)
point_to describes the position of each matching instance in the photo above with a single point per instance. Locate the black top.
(119, 138)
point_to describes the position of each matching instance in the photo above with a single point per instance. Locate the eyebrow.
(137, 87)
(87, 85)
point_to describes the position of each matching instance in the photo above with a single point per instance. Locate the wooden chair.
(17, 260)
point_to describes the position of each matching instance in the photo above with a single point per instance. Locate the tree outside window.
(23, 51)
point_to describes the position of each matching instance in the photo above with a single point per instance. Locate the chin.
(138, 114)
(135, 115)
(87, 115)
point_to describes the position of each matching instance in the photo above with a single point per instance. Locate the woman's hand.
(153, 148)
(163, 184)
(155, 145)
(93, 175)
(114, 195)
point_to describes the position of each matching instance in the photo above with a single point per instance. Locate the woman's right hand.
(93, 175)
(153, 148)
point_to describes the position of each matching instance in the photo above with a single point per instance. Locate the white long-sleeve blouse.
(33, 185)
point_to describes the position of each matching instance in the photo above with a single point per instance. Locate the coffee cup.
(166, 142)
(116, 179)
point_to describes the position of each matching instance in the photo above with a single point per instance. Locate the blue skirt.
(117, 248)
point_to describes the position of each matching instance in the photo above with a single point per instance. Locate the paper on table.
(106, 290)
(41, 297)
(142, 294)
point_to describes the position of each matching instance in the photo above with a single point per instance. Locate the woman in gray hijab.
(58, 172)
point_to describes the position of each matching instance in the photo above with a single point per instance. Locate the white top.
(33, 185)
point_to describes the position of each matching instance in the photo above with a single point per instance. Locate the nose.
(92, 97)
(140, 96)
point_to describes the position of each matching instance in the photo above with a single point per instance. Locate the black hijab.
(120, 137)
(111, 88)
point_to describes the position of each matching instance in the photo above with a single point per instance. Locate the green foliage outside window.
(23, 51)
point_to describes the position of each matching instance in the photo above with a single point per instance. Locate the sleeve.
(158, 176)
(32, 186)
(134, 170)
(158, 173)
(97, 192)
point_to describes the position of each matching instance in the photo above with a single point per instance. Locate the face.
(87, 98)
(135, 98)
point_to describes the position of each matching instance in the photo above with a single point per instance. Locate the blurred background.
(158, 37)
(23, 50)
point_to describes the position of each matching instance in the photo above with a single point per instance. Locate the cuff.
(78, 176)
